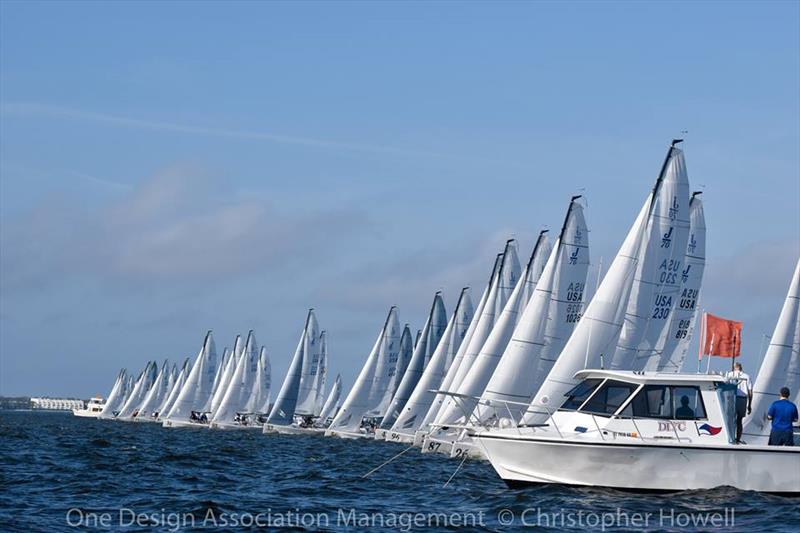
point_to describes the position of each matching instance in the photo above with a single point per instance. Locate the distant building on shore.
(56, 404)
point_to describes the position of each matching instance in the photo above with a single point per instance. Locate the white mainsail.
(155, 396)
(240, 386)
(506, 282)
(117, 395)
(225, 373)
(397, 373)
(260, 396)
(372, 380)
(310, 375)
(331, 403)
(481, 370)
(546, 323)
(424, 347)
(671, 351)
(657, 283)
(418, 404)
(780, 367)
(451, 369)
(282, 412)
(594, 340)
(196, 390)
(175, 389)
(143, 384)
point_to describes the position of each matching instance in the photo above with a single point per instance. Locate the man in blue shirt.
(782, 413)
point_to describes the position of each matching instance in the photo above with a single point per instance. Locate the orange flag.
(721, 337)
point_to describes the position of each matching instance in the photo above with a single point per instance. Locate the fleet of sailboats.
(477, 379)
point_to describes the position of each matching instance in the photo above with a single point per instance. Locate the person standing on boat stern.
(782, 413)
(744, 396)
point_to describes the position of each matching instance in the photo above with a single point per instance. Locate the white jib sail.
(780, 367)
(309, 377)
(424, 348)
(672, 348)
(196, 390)
(360, 400)
(507, 278)
(116, 396)
(225, 374)
(545, 325)
(175, 388)
(422, 397)
(452, 368)
(158, 391)
(481, 370)
(241, 384)
(657, 282)
(332, 402)
(282, 412)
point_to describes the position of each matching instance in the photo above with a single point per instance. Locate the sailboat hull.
(642, 466)
(172, 423)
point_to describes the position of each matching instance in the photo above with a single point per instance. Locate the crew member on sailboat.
(782, 413)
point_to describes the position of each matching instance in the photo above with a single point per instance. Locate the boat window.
(579, 393)
(688, 403)
(609, 397)
(664, 401)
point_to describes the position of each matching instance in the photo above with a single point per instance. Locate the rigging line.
(386, 462)
(456, 470)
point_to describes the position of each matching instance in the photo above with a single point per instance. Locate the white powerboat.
(640, 431)
(92, 410)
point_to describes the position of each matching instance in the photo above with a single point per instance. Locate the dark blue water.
(57, 470)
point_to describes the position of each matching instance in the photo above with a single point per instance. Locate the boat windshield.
(609, 397)
(578, 394)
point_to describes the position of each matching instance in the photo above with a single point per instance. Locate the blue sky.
(167, 168)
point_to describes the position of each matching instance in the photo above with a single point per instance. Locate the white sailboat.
(509, 282)
(257, 405)
(140, 390)
(282, 413)
(452, 370)
(424, 348)
(419, 403)
(155, 396)
(232, 413)
(544, 326)
(117, 395)
(780, 367)
(225, 374)
(312, 374)
(481, 371)
(196, 391)
(615, 306)
(363, 400)
(177, 385)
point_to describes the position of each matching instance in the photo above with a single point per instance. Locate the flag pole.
(702, 339)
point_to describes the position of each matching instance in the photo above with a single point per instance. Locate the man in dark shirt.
(782, 413)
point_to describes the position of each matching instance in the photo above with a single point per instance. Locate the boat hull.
(171, 423)
(85, 413)
(642, 466)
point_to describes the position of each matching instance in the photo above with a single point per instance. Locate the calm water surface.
(57, 471)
